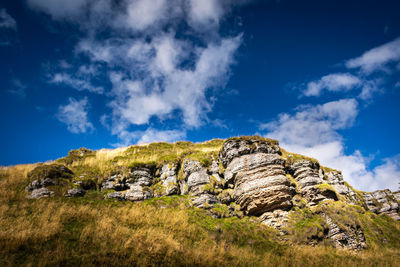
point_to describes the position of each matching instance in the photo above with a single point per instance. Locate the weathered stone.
(226, 196)
(387, 204)
(260, 183)
(352, 238)
(196, 177)
(40, 193)
(169, 180)
(277, 219)
(306, 173)
(236, 147)
(140, 176)
(76, 192)
(396, 195)
(137, 193)
(116, 195)
(204, 201)
(336, 180)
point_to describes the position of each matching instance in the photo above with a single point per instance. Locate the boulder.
(76, 192)
(137, 193)
(40, 193)
(260, 183)
(277, 219)
(52, 171)
(140, 176)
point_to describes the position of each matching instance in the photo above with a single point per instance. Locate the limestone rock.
(169, 180)
(277, 219)
(350, 239)
(116, 195)
(76, 192)
(137, 193)
(336, 180)
(204, 201)
(306, 173)
(140, 176)
(40, 193)
(260, 183)
(197, 176)
(236, 147)
(387, 204)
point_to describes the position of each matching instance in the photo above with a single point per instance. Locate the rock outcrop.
(310, 185)
(352, 238)
(335, 179)
(258, 175)
(382, 202)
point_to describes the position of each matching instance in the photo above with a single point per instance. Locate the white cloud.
(75, 116)
(80, 83)
(313, 131)
(333, 82)
(6, 21)
(377, 58)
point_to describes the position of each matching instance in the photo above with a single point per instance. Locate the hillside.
(242, 201)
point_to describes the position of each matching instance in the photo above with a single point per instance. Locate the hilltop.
(241, 201)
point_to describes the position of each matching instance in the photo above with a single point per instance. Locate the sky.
(322, 77)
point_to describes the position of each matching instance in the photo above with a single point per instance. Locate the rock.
(204, 201)
(140, 176)
(369, 201)
(196, 176)
(239, 146)
(226, 196)
(386, 203)
(350, 239)
(306, 173)
(116, 195)
(169, 180)
(336, 180)
(34, 185)
(214, 168)
(137, 193)
(47, 182)
(76, 192)
(40, 193)
(396, 195)
(277, 219)
(260, 183)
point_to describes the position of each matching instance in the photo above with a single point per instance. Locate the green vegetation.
(93, 231)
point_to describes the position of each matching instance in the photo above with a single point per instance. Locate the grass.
(92, 231)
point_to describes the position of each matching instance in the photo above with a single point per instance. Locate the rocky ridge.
(249, 177)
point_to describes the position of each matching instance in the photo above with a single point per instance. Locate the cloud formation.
(162, 58)
(370, 73)
(313, 131)
(75, 116)
(6, 21)
(332, 82)
(377, 59)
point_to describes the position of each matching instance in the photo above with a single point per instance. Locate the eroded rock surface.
(306, 173)
(260, 183)
(168, 177)
(351, 238)
(76, 192)
(40, 193)
(336, 180)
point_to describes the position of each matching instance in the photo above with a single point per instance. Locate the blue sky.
(323, 77)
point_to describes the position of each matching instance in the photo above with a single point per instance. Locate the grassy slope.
(94, 231)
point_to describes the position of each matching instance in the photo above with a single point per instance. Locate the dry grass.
(91, 231)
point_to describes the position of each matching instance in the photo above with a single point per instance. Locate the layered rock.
(76, 192)
(382, 202)
(277, 219)
(40, 193)
(351, 238)
(260, 182)
(336, 180)
(236, 147)
(310, 185)
(168, 177)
